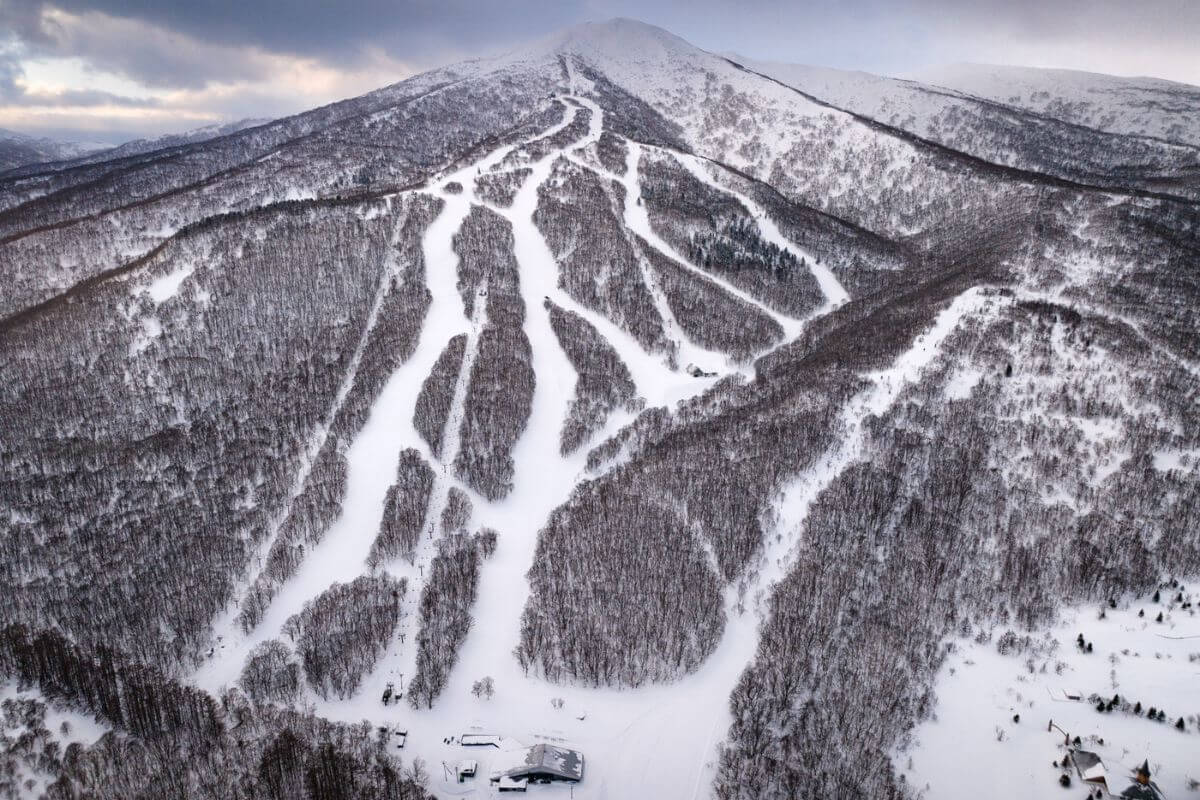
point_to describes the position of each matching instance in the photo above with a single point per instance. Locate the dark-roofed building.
(1090, 768)
(547, 762)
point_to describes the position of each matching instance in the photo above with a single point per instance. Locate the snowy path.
(873, 401)
(403, 665)
(835, 293)
(371, 460)
(637, 221)
(543, 479)
(637, 218)
(680, 718)
(227, 624)
(657, 741)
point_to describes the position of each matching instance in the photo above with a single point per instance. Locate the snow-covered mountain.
(1134, 106)
(60, 156)
(1099, 142)
(679, 410)
(193, 136)
(19, 149)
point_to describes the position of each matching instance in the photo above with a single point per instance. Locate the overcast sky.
(110, 70)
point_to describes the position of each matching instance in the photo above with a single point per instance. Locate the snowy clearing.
(990, 735)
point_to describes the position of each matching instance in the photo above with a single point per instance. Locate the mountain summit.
(610, 397)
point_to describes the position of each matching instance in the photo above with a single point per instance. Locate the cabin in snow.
(1090, 769)
(1092, 772)
(466, 769)
(544, 763)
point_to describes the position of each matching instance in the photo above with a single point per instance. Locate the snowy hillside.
(193, 136)
(1009, 706)
(1138, 106)
(608, 411)
(1086, 142)
(18, 149)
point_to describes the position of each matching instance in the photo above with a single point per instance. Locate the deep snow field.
(972, 746)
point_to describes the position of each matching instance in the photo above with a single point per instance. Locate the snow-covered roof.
(547, 761)
(1090, 767)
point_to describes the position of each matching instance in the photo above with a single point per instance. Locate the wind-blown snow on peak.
(618, 47)
(619, 39)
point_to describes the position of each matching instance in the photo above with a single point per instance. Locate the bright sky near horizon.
(111, 70)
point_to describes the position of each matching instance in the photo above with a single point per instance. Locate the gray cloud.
(10, 70)
(414, 30)
(879, 35)
(13, 93)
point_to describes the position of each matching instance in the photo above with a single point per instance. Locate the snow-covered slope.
(193, 136)
(608, 394)
(1089, 147)
(1139, 106)
(19, 149)
(1010, 705)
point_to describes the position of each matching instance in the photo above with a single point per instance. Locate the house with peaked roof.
(1090, 768)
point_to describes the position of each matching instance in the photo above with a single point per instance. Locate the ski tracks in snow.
(226, 626)
(637, 218)
(745, 602)
(372, 457)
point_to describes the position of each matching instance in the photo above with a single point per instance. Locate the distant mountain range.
(20, 150)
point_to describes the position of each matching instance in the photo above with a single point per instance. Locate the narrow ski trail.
(231, 643)
(831, 287)
(677, 716)
(372, 457)
(638, 220)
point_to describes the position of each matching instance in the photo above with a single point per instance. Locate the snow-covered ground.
(835, 293)
(82, 728)
(1137, 106)
(975, 746)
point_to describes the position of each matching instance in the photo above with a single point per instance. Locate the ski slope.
(655, 741)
